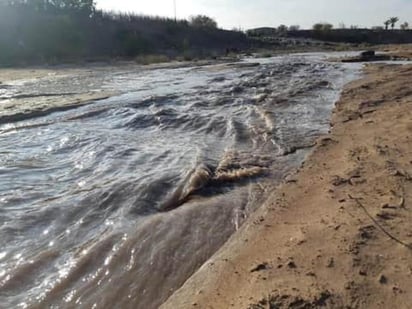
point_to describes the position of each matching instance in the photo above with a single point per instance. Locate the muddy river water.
(116, 203)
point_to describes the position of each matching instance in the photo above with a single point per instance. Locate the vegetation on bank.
(52, 31)
(324, 31)
(55, 31)
(354, 34)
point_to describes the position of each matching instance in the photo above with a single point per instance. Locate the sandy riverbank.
(338, 233)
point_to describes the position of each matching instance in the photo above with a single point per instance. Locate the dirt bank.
(338, 233)
(400, 51)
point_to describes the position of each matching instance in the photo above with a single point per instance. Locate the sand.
(399, 51)
(338, 232)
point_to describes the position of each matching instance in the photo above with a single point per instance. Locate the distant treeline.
(370, 36)
(39, 31)
(326, 32)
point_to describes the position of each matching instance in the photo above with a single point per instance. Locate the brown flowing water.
(116, 203)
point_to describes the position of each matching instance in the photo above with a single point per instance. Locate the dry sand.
(338, 233)
(400, 51)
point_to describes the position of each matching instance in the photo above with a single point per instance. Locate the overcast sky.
(248, 14)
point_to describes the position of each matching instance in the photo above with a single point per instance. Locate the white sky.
(248, 14)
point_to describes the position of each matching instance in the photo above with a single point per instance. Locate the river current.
(116, 203)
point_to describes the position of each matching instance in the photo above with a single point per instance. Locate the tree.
(393, 21)
(282, 29)
(405, 26)
(86, 6)
(237, 29)
(327, 27)
(322, 27)
(387, 23)
(317, 27)
(203, 21)
(294, 28)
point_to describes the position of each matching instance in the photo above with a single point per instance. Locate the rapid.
(116, 203)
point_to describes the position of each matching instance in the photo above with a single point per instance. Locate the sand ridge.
(337, 234)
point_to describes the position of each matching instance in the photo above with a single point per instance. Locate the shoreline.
(336, 233)
(146, 62)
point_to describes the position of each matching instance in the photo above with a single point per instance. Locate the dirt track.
(338, 234)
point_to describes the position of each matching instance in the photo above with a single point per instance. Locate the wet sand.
(337, 233)
(22, 106)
